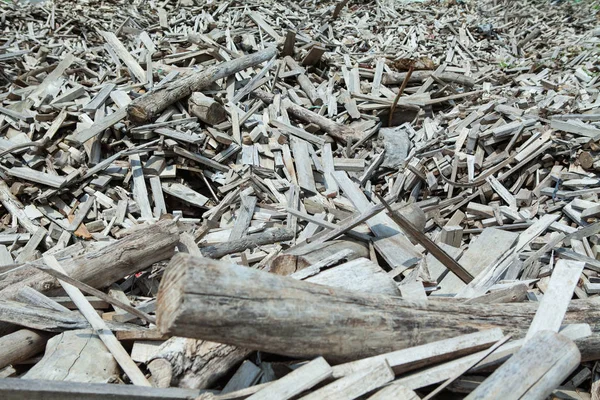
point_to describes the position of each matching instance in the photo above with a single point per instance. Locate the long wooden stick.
(100, 328)
(429, 244)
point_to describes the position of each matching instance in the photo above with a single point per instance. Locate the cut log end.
(171, 291)
(138, 114)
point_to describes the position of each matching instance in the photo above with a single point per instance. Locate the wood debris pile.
(299, 199)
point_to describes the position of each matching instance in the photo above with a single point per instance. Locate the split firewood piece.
(197, 299)
(206, 108)
(149, 106)
(100, 328)
(20, 345)
(77, 356)
(539, 367)
(296, 381)
(176, 362)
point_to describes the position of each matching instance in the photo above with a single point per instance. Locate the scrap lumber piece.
(100, 328)
(246, 375)
(75, 356)
(296, 381)
(140, 191)
(206, 109)
(357, 384)
(430, 245)
(43, 178)
(336, 130)
(38, 95)
(20, 345)
(118, 47)
(200, 298)
(14, 389)
(394, 391)
(244, 217)
(184, 193)
(16, 208)
(149, 106)
(557, 296)
(402, 361)
(538, 368)
(98, 127)
(393, 245)
(102, 267)
(303, 163)
(442, 372)
(482, 252)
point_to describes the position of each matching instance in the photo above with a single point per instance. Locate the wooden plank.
(393, 245)
(140, 192)
(118, 47)
(296, 381)
(303, 163)
(557, 297)
(243, 217)
(184, 193)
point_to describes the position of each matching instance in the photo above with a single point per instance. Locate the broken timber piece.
(201, 298)
(296, 381)
(538, 368)
(77, 356)
(99, 326)
(21, 345)
(340, 132)
(206, 109)
(149, 106)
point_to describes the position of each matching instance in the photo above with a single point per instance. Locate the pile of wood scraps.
(299, 199)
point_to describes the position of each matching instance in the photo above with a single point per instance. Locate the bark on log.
(269, 236)
(337, 131)
(21, 345)
(542, 364)
(102, 267)
(206, 299)
(149, 106)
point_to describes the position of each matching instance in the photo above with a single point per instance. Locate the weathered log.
(76, 356)
(21, 345)
(206, 299)
(102, 267)
(269, 236)
(539, 367)
(147, 107)
(336, 130)
(391, 78)
(206, 108)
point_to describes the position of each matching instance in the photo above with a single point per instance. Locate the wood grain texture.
(212, 300)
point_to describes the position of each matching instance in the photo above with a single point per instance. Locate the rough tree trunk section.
(211, 300)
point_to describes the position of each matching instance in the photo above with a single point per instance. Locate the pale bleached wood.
(538, 368)
(246, 375)
(75, 356)
(303, 163)
(557, 297)
(402, 361)
(356, 384)
(42, 178)
(140, 192)
(118, 47)
(441, 372)
(98, 127)
(269, 236)
(296, 381)
(33, 297)
(394, 391)
(16, 208)
(393, 245)
(205, 299)
(21, 345)
(100, 328)
(243, 216)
